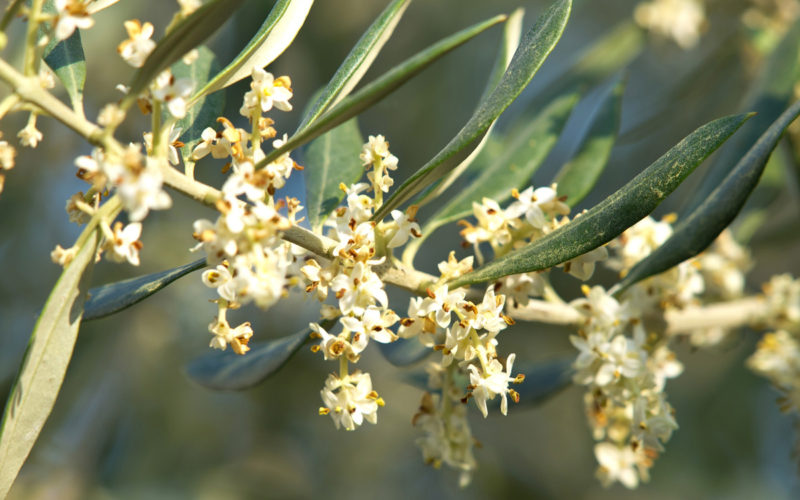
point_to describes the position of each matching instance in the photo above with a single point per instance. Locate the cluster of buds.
(362, 313)
(624, 352)
(251, 261)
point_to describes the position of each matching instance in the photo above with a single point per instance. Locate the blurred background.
(129, 423)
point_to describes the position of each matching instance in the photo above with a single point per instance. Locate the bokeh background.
(129, 423)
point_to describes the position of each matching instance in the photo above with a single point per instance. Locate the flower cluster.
(624, 355)
(777, 356)
(251, 261)
(362, 309)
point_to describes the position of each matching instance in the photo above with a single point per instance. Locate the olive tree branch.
(731, 314)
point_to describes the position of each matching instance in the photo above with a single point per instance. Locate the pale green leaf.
(275, 35)
(357, 62)
(330, 160)
(380, 88)
(45, 364)
(534, 48)
(696, 232)
(577, 178)
(110, 299)
(611, 217)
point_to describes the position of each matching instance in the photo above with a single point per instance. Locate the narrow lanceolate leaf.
(187, 34)
(275, 35)
(330, 160)
(522, 154)
(45, 363)
(67, 61)
(543, 380)
(357, 62)
(203, 112)
(380, 88)
(696, 232)
(228, 371)
(508, 46)
(770, 96)
(112, 298)
(534, 48)
(577, 178)
(404, 352)
(608, 219)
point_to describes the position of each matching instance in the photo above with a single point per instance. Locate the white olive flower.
(266, 92)
(138, 46)
(30, 136)
(404, 227)
(172, 91)
(124, 243)
(488, 384)
(351, 400)
(617, 463)
(71, 15)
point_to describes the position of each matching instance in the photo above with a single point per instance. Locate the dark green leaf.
(109, 299)
(380, 88)
(203, 112)
(187, 34)
(615, 214)
(404, 352)
(330, 160)
(357, 62)
(534, 48)
(577, 178)
(696, 232)
(769, 97)
(228, 371)
(522, 154)
(67, 61)
(45, 363)
(273, 37)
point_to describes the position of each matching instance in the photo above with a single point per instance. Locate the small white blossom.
(71, 15)
(124, 243)
(30, 136)
(404, 226)
(138, 46)
(266, 92)
(172, 91)
(350, 401)
(494, 381)
(617, 463)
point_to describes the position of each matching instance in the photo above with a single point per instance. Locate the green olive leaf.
(112, 298)
(45, 363)
(379, 88)
(357, 62)
(533, 49)
(275, 35)
(696, 232)
(608, 219)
